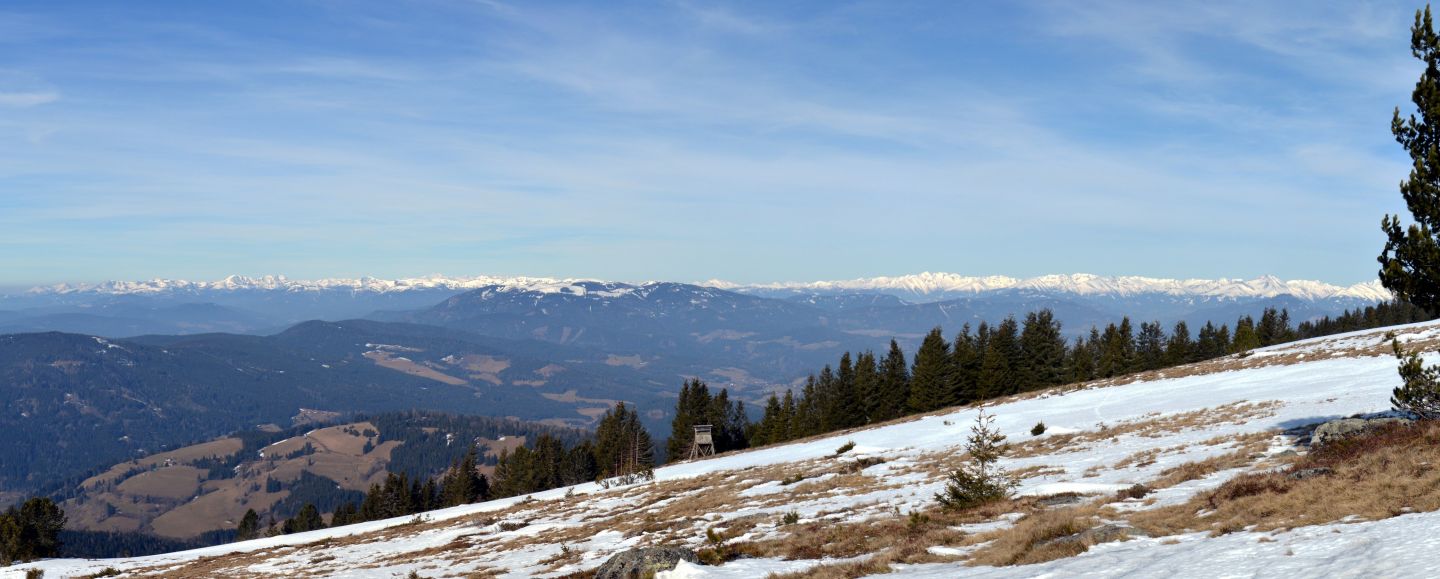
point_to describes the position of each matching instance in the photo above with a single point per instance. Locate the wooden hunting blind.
(703, 444)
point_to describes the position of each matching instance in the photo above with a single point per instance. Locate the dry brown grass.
(1248, 446)
(1033, 538)
(1377, 475)
(1151, 425)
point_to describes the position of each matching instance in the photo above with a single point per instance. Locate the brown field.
(401, 364)
(221, 447)
(175, 483)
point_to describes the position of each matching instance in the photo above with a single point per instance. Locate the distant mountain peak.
(924, 284)
(930, 283)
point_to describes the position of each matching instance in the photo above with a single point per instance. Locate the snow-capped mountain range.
(924, 286)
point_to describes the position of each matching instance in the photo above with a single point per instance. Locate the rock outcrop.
(644, 562)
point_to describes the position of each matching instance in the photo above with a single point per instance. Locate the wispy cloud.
(27, 99)
(679, 140)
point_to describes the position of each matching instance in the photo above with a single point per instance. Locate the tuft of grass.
(1033, 538)
(1385, 472)
(844, 448)
(1137, 491)
(790, 518)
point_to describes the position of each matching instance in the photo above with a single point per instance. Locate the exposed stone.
(644, 562)
(1059, 500)
(1106, 533)
(1311, 473)
(1337, 429)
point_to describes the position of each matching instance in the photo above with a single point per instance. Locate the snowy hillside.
(1228, 416)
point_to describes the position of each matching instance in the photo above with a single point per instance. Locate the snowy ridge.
(922, 284)
(1088, 284)
(283, 284)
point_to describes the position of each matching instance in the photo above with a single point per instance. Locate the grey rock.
(1311, 473)
(643, 562)
(1059, 500)
(1102, 534)
(1337, 429)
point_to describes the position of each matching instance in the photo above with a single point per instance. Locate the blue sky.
(694, 140)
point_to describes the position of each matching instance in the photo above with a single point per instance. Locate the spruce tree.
(308, 519)
(787, 428)
(980, 480)
(1179, 349)
(694, 406)
(930, 378)
(770, 424)
(895, 384)
(844, 405)
(463, 484)
(1150, 346)
(1246, 338)
(1080, 362)
(998, 369)
(966, 360)
(1042, 345)
(249, 527)
(1410, 262)
(1419, 392)
(868, 391)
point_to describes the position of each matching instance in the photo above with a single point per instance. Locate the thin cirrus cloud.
(688, 140)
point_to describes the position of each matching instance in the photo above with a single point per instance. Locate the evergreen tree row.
(1018, 356)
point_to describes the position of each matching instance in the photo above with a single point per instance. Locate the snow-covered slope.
(1097, 431)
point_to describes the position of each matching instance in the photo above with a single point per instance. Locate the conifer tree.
(1150, 346)
(966, 359)
(807, 410)
(346, 514)
(623, 449)
(463, 484)
(895, 384)
(930, 378)
(998, 368)
(1043, 350)
(249, 527)
(788, 427)
(1419, 393)
(980, 480)
(1410, 262)
(694, 406)
(1111, 359)
(867, 388)
(308, 519)
(1179, 349)
(1246, 338)
(1080, 362)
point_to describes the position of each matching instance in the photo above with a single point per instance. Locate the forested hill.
(74, 403)
(200, 492)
